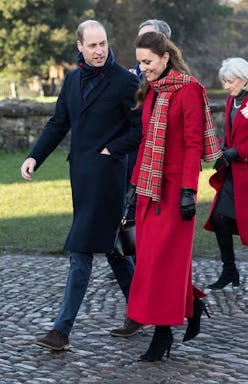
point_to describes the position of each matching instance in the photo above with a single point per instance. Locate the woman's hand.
(187, 204)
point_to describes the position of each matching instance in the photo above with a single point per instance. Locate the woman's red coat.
(236, 137)
(161, 290)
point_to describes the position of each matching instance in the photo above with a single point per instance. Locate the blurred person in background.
(228, 215)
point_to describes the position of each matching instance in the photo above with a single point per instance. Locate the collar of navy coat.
(94, 94)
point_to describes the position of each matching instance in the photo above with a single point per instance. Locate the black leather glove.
(220, 162)
(130, 197)
(187, 204)
(229, 155)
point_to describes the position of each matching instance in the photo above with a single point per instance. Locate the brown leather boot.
(129, 328)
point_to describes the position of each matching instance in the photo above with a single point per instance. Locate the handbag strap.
(124, 217)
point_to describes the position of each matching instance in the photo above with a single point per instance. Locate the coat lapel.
(228, 121)
(239, 117)
(77, 99)
(95, 93)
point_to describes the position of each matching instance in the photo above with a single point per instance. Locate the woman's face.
(234, 85)
(151, 65)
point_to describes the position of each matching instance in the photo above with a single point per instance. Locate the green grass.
(36, 217)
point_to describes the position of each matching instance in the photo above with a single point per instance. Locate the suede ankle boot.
(162, 341)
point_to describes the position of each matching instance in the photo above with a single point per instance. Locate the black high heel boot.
(162, 341)
(194, 322)
(222, 226)
(228, 275)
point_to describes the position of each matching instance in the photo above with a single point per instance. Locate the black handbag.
(124, 244)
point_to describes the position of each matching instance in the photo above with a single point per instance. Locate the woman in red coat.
(228, 214)
(177, 133)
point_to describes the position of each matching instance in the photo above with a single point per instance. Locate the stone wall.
(21, 122)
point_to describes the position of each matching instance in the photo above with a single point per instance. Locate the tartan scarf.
(151, 170)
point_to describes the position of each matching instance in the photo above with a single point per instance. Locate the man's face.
(94, 46)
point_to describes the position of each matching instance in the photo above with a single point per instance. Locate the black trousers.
(223, 231)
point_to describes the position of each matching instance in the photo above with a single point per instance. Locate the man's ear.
(79, 45)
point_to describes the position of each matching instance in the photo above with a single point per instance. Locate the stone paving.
(31, 288)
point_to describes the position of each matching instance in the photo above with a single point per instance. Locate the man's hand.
(27, 168)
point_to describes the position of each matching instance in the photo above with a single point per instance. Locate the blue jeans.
(77, 284)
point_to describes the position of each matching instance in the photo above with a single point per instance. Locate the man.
(95, 102)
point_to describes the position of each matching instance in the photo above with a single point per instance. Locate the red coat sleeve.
(193, 120)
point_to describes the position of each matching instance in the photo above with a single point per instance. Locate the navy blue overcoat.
(98, 181)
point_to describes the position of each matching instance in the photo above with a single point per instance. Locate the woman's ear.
(166, 57)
